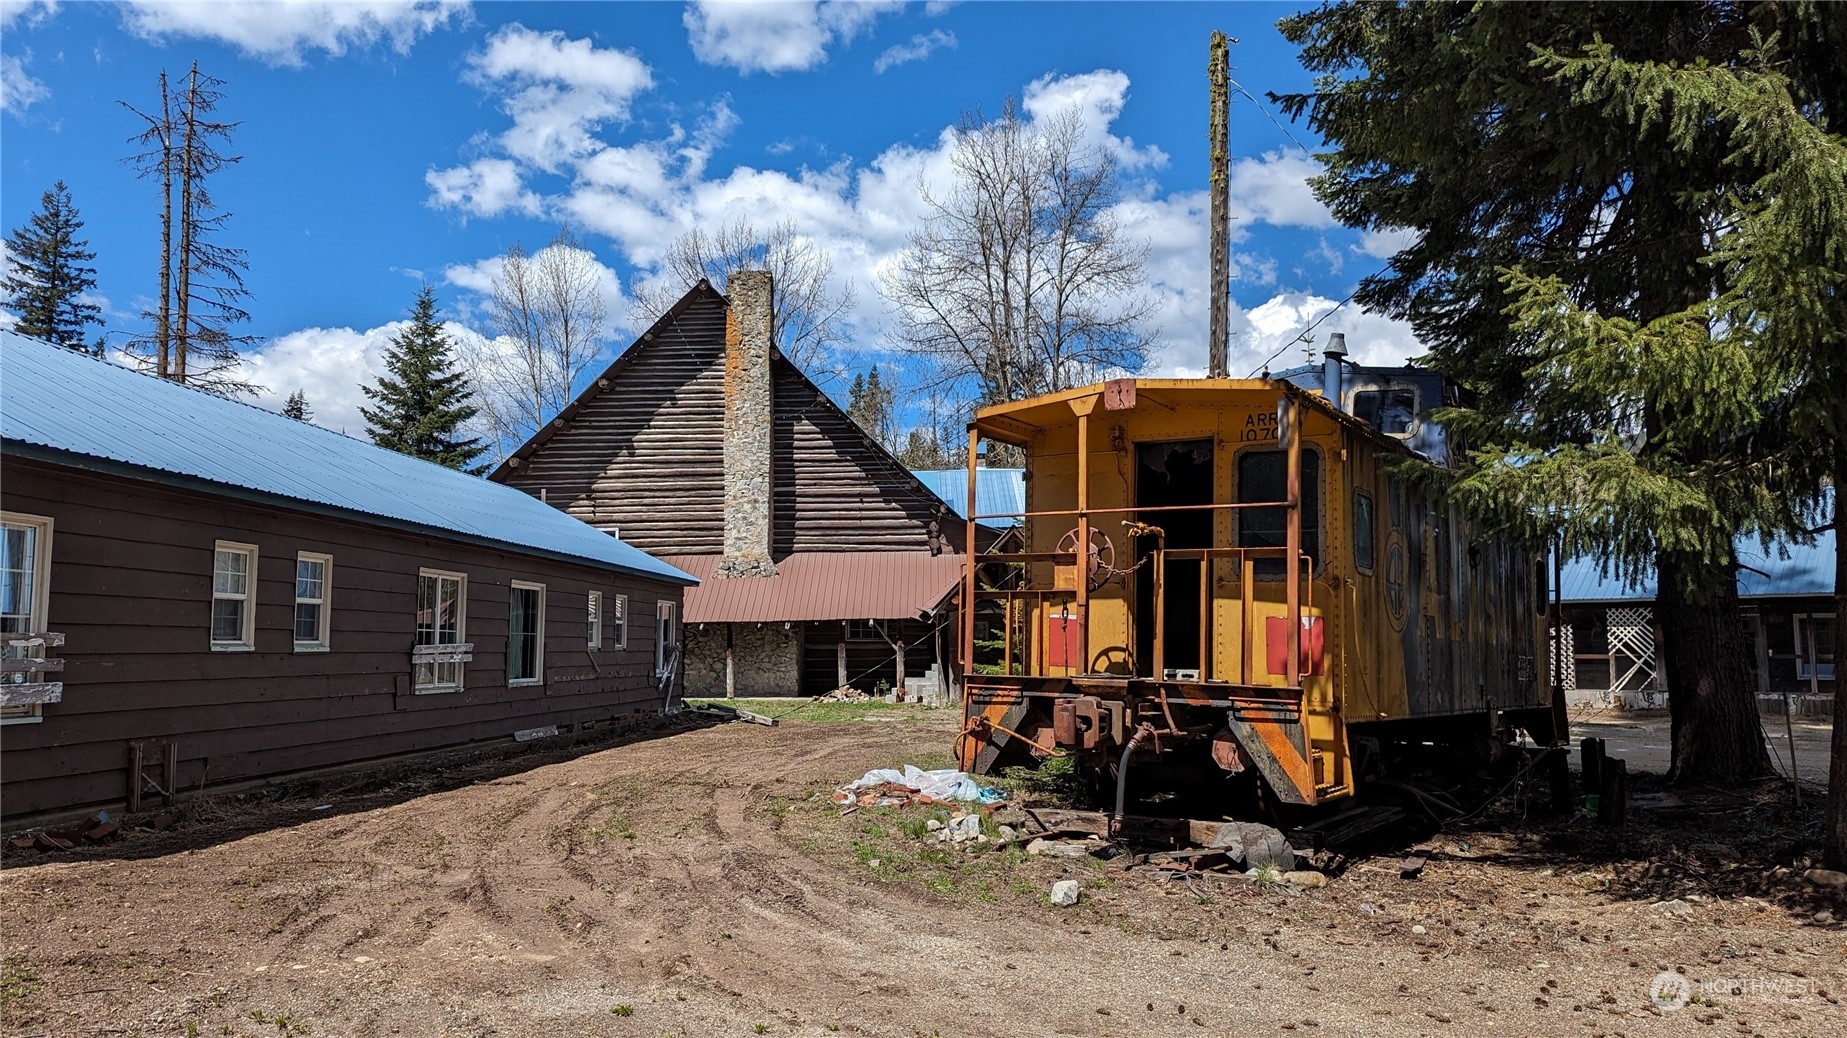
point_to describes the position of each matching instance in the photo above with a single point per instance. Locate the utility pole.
(1218, 71)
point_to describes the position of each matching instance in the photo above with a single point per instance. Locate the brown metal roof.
(884, 585)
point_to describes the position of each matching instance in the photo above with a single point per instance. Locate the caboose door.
(1167, 475)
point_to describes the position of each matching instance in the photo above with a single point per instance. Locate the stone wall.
(768, 660)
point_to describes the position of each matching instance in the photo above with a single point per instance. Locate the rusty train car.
(1232, 589)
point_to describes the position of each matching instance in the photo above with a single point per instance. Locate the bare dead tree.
(550, 320)
(808, 307)
(201, 281)
(1020, 281)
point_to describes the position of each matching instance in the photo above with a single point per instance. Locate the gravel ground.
(698, 883)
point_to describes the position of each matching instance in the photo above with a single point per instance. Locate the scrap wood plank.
(28, 665)
(29, 692)
(1055, 820)
(49, 639)
(746, 715)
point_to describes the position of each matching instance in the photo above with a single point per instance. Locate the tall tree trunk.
(163, 329)
(183, 298)
(1835, 853)
(1718, 737)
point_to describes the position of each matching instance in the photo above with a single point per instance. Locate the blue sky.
(385, 144)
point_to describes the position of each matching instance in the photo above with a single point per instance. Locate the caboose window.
(1390, 411)
(1264, 476)
(1362, 530)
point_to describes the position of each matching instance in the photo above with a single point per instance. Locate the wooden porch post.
(731, 677)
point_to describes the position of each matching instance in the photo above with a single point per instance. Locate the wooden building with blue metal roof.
(196, 591)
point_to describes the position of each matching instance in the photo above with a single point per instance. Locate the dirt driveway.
(696, 884)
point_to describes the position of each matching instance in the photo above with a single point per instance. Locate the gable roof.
(643, 370)
(79, 410)
(703, 291)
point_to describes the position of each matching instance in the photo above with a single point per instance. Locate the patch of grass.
(622, 1010)
(806, 711)
(1055, 781)
(17, 983)
(762, 1028)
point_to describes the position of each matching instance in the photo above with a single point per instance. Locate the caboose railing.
(1247, 604)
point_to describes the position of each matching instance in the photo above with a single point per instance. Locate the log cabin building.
(195, 591)
(823, 561)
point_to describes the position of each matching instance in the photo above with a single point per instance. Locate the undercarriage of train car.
(1172, 629)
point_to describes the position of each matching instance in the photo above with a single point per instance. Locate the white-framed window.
(617, 621)
(593, 620)
(1815, 646)
(313, 600)
(663, 637)
(25, 584)
(526, 634)
(442, 615)
(234, 600)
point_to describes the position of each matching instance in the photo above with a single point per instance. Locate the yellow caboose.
(1231, 589)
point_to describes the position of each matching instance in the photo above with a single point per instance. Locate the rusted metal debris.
(94, 829)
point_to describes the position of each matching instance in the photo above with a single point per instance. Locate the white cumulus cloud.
(30, 13)
(283, 32)
(485, 187)
(18, 90)
(559, 91)
(917, 48)
(1273, 188)
(776, 35)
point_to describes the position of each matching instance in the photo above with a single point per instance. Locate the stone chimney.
(749, 483)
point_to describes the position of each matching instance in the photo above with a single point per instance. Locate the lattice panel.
(1564, 665)
(1632, 648)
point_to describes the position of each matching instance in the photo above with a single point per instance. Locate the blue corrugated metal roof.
(997, 491)
(79, 405)
(1786, 569)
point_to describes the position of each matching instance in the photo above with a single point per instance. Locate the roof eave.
(106, 466)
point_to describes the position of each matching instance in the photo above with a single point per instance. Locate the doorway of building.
(1169, 475)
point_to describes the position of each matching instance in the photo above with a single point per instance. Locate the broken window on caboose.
(1264, 476)
(1390, 411)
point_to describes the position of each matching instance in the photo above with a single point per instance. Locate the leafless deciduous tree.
(1020, 281)
(808, 306)
(550, 320)
(201, 282)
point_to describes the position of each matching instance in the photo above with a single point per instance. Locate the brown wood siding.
(130, 588)
(647, 455)
(834, 490)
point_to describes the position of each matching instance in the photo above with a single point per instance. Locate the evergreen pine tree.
(870, 403)
(46, 276)
(297, 407)
(1571, 187)
(422, 401)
